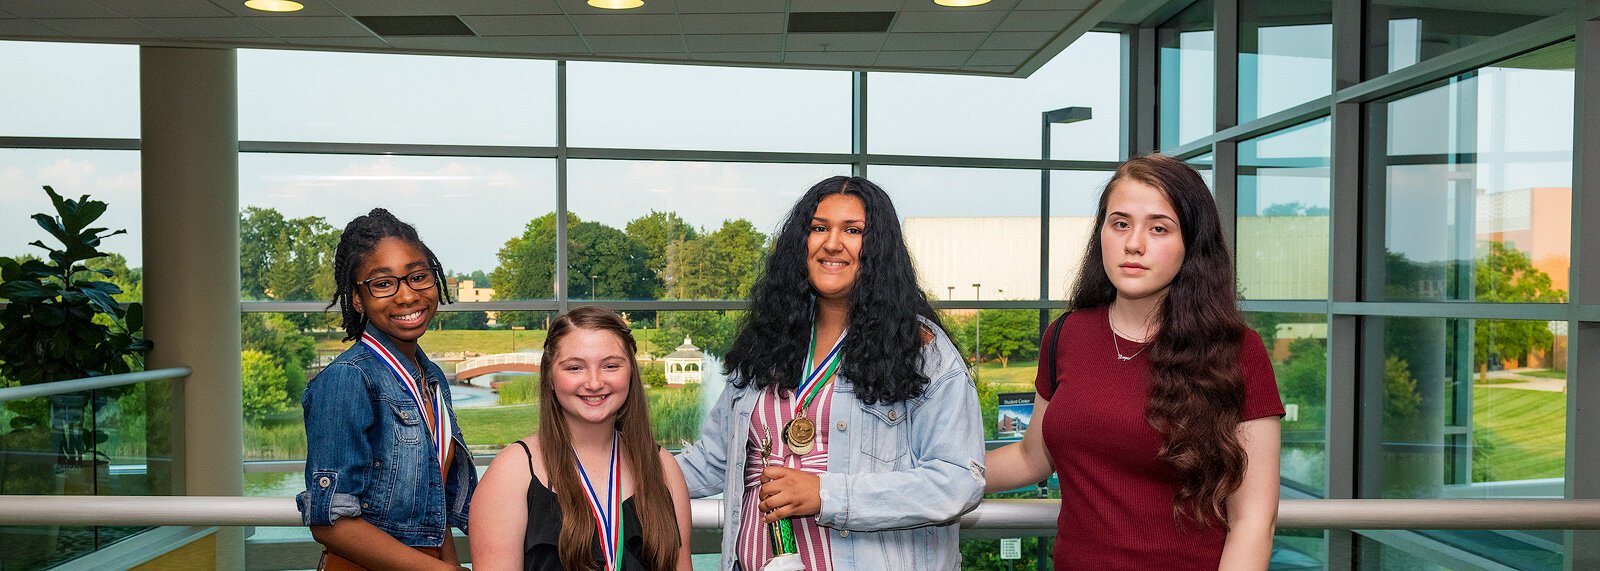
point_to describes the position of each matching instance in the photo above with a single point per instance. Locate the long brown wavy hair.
(1196, 393)
(651, 501)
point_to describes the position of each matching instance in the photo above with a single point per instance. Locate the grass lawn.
(1528, 429)
(1545, 374)
(1016, 378)
(497, 425)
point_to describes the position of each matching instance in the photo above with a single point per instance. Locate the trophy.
(780, 534)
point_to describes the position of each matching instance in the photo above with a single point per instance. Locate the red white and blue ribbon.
(607, 515)
(437, 419)
(817, 376)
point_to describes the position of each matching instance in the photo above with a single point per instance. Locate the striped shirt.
(766, 421)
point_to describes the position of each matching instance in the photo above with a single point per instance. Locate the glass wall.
(1285, 54)
(1402, 33)
(1283, 198)
(1187, 68)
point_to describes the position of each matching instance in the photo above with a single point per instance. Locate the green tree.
(657, 231)
(1504, 274)
(527, 268)
(1302, 377)
(711, 331)
(131, 280)
(461, 320)
(265, 385)
(653, 375)
(285, 258)
(279, 338)
(721, 265)
(607, 260)
(1009, 333)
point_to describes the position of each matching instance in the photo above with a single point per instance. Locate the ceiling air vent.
(838, 22)
(416, 25)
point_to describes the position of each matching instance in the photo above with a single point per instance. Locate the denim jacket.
(368, 453)
(900, 475)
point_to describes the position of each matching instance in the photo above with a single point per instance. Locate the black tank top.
(542, 537)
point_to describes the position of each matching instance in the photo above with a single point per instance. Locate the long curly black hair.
(883, 351)
(360, 236)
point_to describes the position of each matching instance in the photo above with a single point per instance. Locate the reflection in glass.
(951, 115)
(476, 214)
(712, 108)
(973, 233)
(387, 98)
(1402, 33)
(1074, 195)
(1298, 346)
(1187, 80)
(674, 229)
(69, 90)
(1282, 232)
(1476, 176)
(1285, 54)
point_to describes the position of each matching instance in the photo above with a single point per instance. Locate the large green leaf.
(22, 291)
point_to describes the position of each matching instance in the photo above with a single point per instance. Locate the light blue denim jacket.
(368, 453)
(899, 477)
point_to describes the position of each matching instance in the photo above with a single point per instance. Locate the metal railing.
(1015, 517)
(92, 383)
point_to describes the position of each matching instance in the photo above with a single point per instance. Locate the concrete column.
(190, 157)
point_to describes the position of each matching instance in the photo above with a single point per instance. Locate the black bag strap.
(1052, 341)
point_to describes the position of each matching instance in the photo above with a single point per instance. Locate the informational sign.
(1016, 413)
(1011, 548)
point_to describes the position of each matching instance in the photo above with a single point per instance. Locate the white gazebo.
(683, 365)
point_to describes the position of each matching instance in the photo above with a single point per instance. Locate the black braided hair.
(360, 237)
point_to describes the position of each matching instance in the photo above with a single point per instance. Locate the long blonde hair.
(652, 502)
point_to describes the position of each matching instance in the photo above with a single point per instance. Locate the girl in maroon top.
(1165, 424)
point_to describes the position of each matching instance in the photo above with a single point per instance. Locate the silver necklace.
(1116, 347)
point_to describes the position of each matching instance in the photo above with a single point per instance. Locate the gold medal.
(800, 435)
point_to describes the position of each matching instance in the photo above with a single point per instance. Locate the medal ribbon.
(608, 515)
(821, 373)
(435, 417)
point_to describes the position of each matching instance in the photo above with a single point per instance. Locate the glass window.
(476, 214)
(1074, 196)
(676, 230)
(1402, 33)
(1285, 54)
(1187, 80)
(111, 177)
(948, 115)
(1206, 165)
(1476, 176)
(973, 233)
(707, 108)
(386, 98)
(1282, 231)
(69, 90)
(1297, 343)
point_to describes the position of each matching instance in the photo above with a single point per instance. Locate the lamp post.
(949, 293)
(977, 332)
(592, 294)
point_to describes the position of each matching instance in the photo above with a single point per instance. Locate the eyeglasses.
(386, 286)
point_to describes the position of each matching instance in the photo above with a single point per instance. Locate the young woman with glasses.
(387, 472)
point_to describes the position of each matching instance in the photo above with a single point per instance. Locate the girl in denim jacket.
(851, 425)
(387, 472)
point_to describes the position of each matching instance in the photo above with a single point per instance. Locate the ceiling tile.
(936, 41)
(311, 27)
(367, 42)
(538, 44)
(1038, 21)
(14, 27)
(451, 43)
(845, 59)
(149, 9)
(388, 7)
(924, 58)
(642, 44)
(729, 6)
(548, 25)
(6, 15)
(60, 9)
(929, 6)
(734, 43)
(312, 8)
(576, 7)
(1000, 57)
(632, 24)
(647, 56)
(493, 7)
(101, 27)
(1056, 4)
(995, 69)
(771, 23)
(738, 57)
(946, 21)
(1018, 40)
(848, 5)
(835, 42)
(206, 27)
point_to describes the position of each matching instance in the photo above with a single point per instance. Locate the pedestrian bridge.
(501, 363)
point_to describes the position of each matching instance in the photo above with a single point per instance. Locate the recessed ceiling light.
(960, 3)
(274, 5)
(616, 4)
